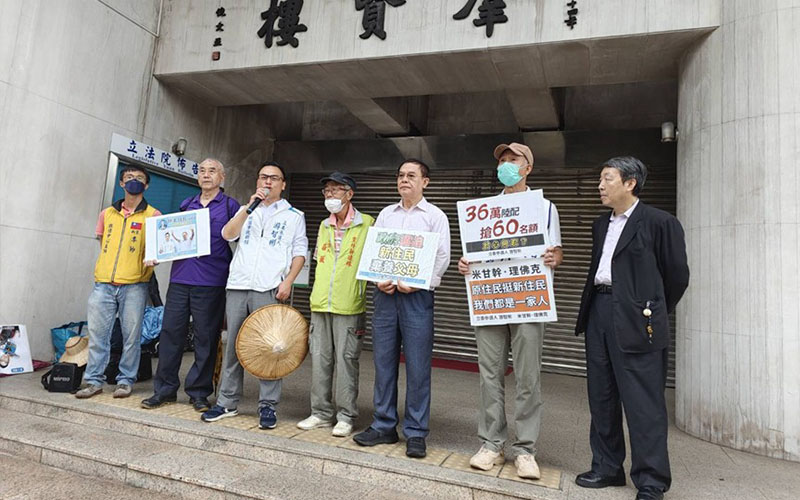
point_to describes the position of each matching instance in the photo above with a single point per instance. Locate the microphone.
(255, 204)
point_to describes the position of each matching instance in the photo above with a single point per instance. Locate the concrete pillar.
(738, 341)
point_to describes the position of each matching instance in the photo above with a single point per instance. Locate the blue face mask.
(134, 187)
(508, 173)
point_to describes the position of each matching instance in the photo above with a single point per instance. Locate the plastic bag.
(61, 334)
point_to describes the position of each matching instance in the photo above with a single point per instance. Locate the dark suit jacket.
(649, 263)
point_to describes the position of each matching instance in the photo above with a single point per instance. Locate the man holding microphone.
(271, 251)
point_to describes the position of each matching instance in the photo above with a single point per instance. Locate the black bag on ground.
(112, 369)
(63, 377)
(145, 367)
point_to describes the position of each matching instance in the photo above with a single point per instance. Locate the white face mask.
(334, 205)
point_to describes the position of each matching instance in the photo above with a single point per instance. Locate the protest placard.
(178, 236)
(504, 226)
(399, 255)
(510, 291)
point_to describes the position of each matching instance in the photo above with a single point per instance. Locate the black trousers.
(206, 304)
(635, 382)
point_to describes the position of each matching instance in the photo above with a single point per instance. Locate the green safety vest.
(336, 289)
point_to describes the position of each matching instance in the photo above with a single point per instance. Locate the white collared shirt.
(615, 226)
(271, 237)
(553, 220)
(423, 216)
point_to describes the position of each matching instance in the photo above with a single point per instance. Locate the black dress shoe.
(200, 404)
(371, 437)
(415, 447)
(157, 400)
(592, 479)
(650, 493)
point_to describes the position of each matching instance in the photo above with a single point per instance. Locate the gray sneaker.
(122, 391)
(89, 391)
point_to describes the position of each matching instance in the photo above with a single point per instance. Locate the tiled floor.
(551, 478)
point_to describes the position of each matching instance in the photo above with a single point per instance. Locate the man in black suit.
(637, 276)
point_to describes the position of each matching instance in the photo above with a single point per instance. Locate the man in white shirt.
(514, 163)
(404, 315)
(270, 254)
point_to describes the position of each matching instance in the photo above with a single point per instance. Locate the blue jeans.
(407, 320)
(104, 303)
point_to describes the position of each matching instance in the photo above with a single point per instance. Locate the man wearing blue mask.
(120, 286)
(515, 162)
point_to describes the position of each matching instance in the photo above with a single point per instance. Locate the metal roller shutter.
(574, 191)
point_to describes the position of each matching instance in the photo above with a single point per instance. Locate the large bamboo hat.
(272, 341)
(76, 351)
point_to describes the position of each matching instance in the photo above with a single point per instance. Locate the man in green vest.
(120, 285)
(338, 309)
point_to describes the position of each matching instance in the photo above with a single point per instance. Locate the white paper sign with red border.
(510, 291)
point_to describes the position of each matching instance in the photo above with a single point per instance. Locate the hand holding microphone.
(260, 195)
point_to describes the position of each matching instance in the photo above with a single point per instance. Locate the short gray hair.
(629, 168)
(215, 162)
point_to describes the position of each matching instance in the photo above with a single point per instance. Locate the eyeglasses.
(273, 178)
(411, 177)
(334, 191)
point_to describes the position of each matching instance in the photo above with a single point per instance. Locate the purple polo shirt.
(212, 269)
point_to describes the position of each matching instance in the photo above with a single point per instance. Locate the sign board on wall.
(125, 147)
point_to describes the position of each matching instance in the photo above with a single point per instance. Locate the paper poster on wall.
(178, 236)
(502, 227)
(15, 351)
(510, 291)
(399, 255)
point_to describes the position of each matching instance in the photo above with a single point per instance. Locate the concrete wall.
(71, 74)
(739, 189)
(414, 28)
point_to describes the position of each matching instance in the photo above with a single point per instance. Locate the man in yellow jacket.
(120, 285)
(338, 309)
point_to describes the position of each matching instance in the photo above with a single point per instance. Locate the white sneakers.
(485, 459)
(527, 467)
(313, 422)
(342, 429)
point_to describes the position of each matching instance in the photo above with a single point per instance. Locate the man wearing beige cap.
(514, 163)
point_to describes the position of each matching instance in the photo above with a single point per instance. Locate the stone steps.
(172, 451)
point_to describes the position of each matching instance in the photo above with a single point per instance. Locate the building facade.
(322, 85)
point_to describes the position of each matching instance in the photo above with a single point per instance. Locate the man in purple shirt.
(196, 288)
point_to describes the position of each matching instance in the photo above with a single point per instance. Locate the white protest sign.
(510, 291)
(178, 236)
(503, 226)
(399, 254)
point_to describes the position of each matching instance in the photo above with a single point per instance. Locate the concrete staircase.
(187, 457)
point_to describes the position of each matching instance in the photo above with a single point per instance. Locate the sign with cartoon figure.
(178, 236)
(15, 352)
(399, 255)
(502, 227)
(510, 291)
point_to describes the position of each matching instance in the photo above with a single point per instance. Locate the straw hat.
(77, 351)
(272, 341)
